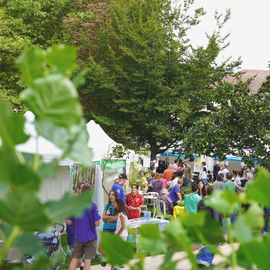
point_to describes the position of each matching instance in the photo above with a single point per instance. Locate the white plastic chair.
(159, 209)
(153, 197)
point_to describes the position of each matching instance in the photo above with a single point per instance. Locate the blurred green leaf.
(202, 228)
(117, 251)
(139, 265)
(4, 231)
(225, 202)
(55, 99)
(41, 262)
(15, 173)
(168, 258)
(248, 226)
(11, 126)
(60, 136)
(79, 78)
(177, 238)
(257, 252)
(169, 266)
(32, 65)
(242, 260)
(48, 170)
(29, 244)
(152, 246)
(193, 220)
(259, 190)
(73, 141)
(62, 58)
(253, 211)
(70, 205)
(79, 150)
(150, 231)
(21, 208)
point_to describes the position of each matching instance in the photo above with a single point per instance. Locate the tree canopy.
(150, 85)
(145, 82)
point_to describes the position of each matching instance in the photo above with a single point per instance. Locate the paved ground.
(153, 263)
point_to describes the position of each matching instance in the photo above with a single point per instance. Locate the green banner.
(112, 164)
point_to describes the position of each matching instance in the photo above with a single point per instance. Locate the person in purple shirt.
(157, 183)
(118, 186)
(85, 235)
(174, 194)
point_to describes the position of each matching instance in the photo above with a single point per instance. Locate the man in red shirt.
(134, 202)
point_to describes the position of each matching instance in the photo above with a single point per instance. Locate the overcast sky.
(249, 27)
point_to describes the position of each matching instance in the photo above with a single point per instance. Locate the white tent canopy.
(99, 141)
(37, 144)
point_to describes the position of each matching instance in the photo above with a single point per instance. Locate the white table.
(138, 222)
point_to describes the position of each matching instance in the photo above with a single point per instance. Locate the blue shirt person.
(118, 186)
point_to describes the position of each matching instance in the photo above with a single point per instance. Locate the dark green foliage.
(150, 86)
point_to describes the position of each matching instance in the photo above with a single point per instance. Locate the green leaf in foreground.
(62, 58)
(28, 243)
(117, 251)
(202, 228)
(70, 205)
(73, 141)
(11, 126)
(248, 225)
(55, 99)
(32, 65)
(257, 252)
(225, 202)
(16, 174)
(150, 231)
(22, 208)
(259, 190)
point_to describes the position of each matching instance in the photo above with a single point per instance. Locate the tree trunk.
(154, 151)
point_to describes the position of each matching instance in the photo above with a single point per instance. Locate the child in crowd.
(85, 235)
(122, 219)
(203, 176)
(109, 217)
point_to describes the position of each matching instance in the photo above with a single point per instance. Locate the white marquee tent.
(100, 143)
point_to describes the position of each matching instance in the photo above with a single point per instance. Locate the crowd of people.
(175, 184)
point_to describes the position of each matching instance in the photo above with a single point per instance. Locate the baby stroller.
(52, 242)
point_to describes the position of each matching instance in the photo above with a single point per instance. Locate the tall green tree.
(150, 85)
(22, 23)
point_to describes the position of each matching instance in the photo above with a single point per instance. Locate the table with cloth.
(138, 222)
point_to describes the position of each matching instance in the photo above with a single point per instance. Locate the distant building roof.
(258, 75)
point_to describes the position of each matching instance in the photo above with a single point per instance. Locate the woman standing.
(109, 217)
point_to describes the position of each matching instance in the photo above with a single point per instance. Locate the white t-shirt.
(224, 172)
(203, 175)
(124, 233)
(173, 182)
